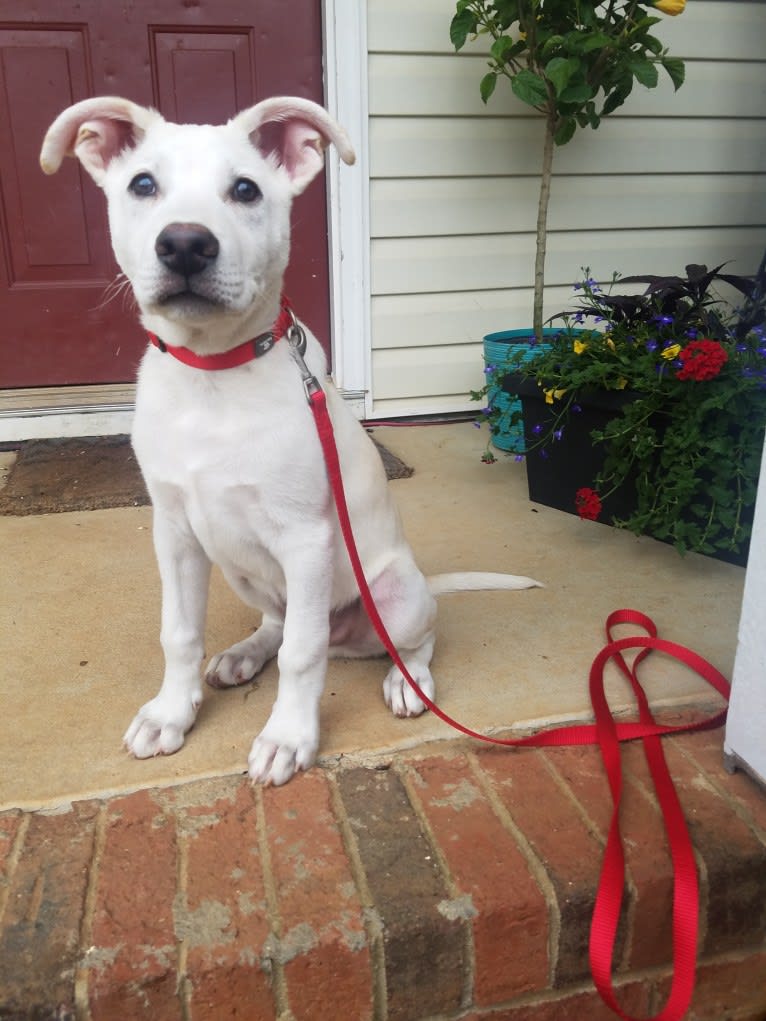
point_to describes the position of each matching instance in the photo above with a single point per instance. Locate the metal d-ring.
(296, 338)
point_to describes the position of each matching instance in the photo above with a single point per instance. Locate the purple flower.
(651, 346)
(558, 433)
(537, 429)
(519, 457)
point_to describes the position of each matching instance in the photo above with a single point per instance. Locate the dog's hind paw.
(244, 660)
(401, 698)
(159, 727)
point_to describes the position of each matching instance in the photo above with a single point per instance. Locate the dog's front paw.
(401, 698)
(277, 755)
(160, 725)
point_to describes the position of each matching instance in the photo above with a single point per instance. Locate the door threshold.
(64, 411)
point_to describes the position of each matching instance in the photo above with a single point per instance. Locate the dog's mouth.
(188, 302)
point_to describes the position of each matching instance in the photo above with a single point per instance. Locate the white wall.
(675, 178)
(746, 724)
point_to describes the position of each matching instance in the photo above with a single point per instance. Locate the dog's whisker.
(119, 287)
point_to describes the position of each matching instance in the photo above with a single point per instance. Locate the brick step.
(453, 884)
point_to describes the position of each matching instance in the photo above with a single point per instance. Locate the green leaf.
(529, 88)
(565, 131)
(597, 41)
(645, 72)
(487, 85)
(551, 43)
(559, 72)
(500, 48)
(618, 95)
(463, 24)
(578, 93)
(676, 70)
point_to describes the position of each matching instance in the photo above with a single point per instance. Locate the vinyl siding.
(676, 178)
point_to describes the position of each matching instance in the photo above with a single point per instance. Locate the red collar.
(238, 355)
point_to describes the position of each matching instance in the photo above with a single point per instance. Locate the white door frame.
(345, 49)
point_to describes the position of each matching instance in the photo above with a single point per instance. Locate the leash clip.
(296, 338)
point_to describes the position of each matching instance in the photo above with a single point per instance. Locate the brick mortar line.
(652, 976)
(577, 805)
(12, 860)
(405, 771)
(536, 866)
(82, 971)
(272, 948)
(183, 984)
(545, 997)
(595, 832)
(704, 879)
(372, 921)
(734, 803)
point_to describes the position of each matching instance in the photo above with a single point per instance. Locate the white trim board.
(48, 412)
(346, 95)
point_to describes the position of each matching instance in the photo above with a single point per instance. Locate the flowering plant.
(575, 61)
(691, 372)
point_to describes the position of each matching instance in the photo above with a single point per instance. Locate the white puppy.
(199, 218)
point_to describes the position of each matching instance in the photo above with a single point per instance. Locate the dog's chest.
(236, 459)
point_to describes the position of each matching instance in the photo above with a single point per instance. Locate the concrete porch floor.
(411, 876)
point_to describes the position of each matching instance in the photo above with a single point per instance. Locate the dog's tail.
(478, 581)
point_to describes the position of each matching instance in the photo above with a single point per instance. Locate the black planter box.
(558, 469)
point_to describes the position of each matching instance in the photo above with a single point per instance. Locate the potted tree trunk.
(573, 62)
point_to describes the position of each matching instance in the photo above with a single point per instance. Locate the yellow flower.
(578, 346)
(553, 395)
(609, 343)
(622, 383)
(671, 352)
(671, 7)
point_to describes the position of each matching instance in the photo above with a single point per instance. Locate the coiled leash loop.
(605, 732)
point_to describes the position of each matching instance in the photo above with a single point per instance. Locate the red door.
(194, 60)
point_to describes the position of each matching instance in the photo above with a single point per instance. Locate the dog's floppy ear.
(95, 131)
(295, 132)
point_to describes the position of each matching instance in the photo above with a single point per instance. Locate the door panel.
(60, 320)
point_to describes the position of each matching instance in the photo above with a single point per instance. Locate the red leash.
(607, 734)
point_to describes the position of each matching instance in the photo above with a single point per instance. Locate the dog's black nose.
(186, 248)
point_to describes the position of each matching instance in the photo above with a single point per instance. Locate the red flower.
(588, 503)
(702, 359)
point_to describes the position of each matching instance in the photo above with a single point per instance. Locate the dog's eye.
(245, 190)
(143, 186)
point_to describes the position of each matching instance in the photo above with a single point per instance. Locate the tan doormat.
(93, 473)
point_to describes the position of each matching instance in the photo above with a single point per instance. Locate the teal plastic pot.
(498, 349)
